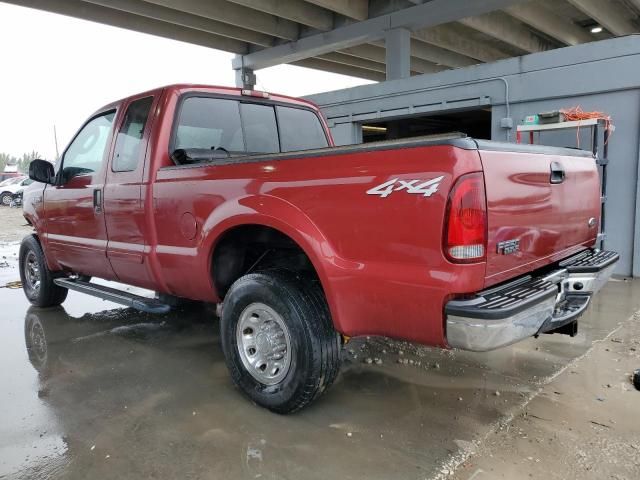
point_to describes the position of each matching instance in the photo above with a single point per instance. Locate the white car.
(16, 185)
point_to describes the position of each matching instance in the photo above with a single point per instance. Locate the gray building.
(602, 76)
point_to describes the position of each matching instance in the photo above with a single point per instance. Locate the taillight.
(465, 238)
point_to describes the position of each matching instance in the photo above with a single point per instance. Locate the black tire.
(5, 199)
(315, 344)
(46, 293)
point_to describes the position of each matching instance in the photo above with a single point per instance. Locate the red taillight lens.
(465, 238)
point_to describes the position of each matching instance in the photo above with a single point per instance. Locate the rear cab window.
(260, 128)
(210, 128)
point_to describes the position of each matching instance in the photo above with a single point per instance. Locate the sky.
(57, 70)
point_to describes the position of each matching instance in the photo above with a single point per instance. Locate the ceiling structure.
(371, 39)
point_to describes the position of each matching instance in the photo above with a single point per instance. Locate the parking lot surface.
(92, 390)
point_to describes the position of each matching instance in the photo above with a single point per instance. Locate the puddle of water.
(152, 396)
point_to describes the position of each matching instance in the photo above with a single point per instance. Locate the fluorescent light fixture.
(596, 29)
(371, 128)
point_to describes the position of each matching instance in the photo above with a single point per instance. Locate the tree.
(4, 159)
(27, 158)
(23, 161)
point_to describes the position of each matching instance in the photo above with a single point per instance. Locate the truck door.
(124, 193)
(76, 234)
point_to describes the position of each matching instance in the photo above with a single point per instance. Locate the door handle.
(557, 173)
(97, 200)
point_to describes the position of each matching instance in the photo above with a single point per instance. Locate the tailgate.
(536, 213)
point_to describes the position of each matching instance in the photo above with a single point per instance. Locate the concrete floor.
(91, 390)
(584, 424)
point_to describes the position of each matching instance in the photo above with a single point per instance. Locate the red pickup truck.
(240, 198)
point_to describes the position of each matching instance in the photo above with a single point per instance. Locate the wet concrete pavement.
(583, 425)
(95, 391)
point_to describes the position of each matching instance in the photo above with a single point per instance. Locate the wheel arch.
(50, 264)
(281, 217)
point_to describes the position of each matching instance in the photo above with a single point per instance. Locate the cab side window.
(128, 147)
(86, 153)
(300, 129)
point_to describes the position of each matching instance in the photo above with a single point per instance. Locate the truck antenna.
(55, 139)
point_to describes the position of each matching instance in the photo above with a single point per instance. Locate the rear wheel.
(37, 279)
(278, 339)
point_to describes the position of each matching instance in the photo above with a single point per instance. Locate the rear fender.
(280, 215)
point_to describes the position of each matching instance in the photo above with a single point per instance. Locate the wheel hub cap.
(32, 271)
(264, 343)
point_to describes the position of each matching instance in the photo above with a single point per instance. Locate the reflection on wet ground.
(95, 391)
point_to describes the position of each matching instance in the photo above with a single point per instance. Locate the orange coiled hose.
(577, 114)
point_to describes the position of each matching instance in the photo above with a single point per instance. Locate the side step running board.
(144, 304)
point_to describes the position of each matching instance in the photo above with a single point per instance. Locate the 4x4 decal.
(426, 189)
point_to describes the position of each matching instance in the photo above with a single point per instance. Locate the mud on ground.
(13, 226)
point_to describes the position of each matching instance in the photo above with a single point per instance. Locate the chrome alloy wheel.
(32, 271)
(264, 343)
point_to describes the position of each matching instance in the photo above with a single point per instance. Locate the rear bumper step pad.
(589, 261)
(529, 305)
(504, 302)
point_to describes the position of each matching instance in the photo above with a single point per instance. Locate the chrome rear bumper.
(529, 305)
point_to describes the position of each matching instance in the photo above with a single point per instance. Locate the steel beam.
(358, 9)
(369, 51)
(177, 17)
(245, 78)
(324, 65)
(548, 22)
(377, 53)
(432, 54)
(428, 14)
(425, 58)
(501, 26)
(344, 59)
(295, 10)
(423, 66)
(446, 36)
(439, 56)
(607, 13)
(107, 16)
(237, 15)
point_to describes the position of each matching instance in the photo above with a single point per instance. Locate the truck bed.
(379, 257)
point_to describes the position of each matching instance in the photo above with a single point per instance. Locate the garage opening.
(474, 123)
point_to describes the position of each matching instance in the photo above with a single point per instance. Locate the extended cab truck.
(240, 198)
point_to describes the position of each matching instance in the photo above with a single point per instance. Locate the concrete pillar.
(245, 77)
(398, 56)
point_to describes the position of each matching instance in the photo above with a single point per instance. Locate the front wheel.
(37, 279)
(278, 339)
(5, 199)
